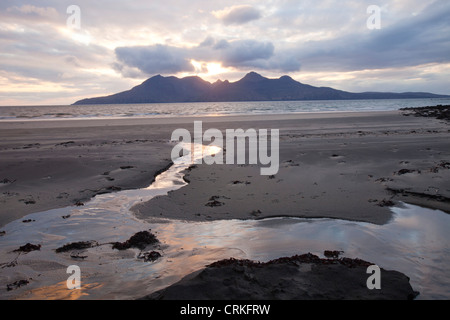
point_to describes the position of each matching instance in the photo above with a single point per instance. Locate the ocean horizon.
(162, 110)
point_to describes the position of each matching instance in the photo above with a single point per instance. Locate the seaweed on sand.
(140, 240)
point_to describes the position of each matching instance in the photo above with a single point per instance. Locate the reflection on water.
(415, 242)
(59, 291)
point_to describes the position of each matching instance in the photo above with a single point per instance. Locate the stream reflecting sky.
(415, 242)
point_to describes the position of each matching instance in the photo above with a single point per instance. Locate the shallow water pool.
(415, 242)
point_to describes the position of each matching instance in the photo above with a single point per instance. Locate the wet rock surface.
(438, 112)
(300, 277)
(28, 248)
(150, 256)
(140, 241)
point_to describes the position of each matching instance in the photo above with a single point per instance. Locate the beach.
(352, 166)
(346, 166)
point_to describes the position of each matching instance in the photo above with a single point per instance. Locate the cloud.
(155, 59)
(31, 11)
(120, 45)
(239, 14)
(167, 59)
(239, 54)
(414, 41)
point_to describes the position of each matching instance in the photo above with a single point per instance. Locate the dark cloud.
(238, 14)
(166, 59)
(222, 44)
(209, 41)
(155, 59)
(242, 51)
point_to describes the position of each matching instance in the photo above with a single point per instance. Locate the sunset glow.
(317, 43)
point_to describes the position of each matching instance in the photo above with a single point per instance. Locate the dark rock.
(443, 165)
(386, 203)
(301, 277)
(214, 203)
(28, 248)
(77, 246)
(140, 240)
(65, 144)
(439, 112)
(150, 256)
(405, 171)
(16, 284)
(28, 201)
(7, 181)
(332, 254)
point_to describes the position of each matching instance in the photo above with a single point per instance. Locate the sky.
(57, 52)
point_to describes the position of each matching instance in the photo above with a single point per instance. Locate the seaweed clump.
(28, 248)
(140, 241)
(77, 246)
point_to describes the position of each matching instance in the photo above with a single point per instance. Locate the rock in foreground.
(304, 277)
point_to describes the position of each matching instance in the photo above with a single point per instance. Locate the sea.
(157, 110)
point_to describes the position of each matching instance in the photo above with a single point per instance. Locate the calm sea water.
(154, 110)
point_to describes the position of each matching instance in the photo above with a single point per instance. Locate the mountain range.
(252, 87)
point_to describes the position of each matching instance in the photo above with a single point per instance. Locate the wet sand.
(350, 166)
(47, 165)
(346, 166)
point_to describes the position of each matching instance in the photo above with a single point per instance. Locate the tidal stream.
(415, 242)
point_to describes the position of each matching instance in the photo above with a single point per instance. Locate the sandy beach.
(346, 166)
(339, 165)
(349, 166)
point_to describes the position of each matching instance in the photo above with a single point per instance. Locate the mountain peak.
(252, 87)
(286, 78)
(253, 76)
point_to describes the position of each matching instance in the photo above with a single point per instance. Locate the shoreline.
(81, 122)
(201, 116)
